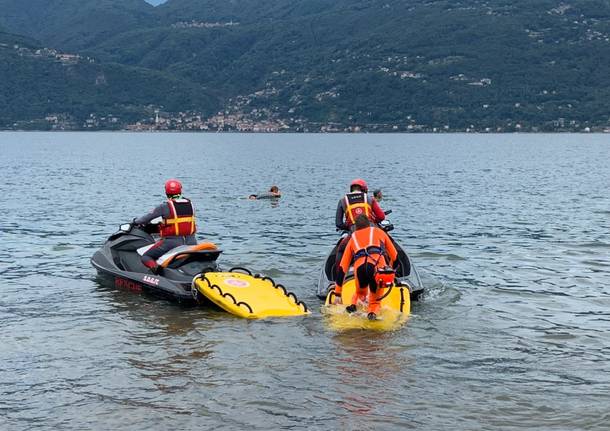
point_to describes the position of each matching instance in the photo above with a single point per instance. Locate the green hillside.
(437, 64)
(73, 24)
(249, 11)
(367, 64)
(36, 83)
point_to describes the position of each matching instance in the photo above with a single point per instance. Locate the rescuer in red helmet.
(356, 202)
(177, 227)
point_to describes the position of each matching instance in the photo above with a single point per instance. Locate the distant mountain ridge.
(73, 24)
(78, 92)
(493, 65)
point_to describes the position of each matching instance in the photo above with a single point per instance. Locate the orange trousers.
(366, 284)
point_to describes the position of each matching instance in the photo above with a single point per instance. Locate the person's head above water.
(378, 195)
(362, 222)
(358, 185)
(173, 188)
(274, 192)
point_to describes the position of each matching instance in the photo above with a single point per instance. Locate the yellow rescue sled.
(395, 309)
(247, 295)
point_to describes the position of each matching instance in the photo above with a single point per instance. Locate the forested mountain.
(43, 88)
(354, 64)
(73, 24)
(254, 11)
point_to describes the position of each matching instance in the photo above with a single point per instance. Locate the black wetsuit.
(265, 195)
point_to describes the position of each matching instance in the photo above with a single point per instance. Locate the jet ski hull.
(406, 274)
(119, 264)
(145, 283)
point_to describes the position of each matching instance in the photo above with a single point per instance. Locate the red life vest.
(354, 204)
(181, 221)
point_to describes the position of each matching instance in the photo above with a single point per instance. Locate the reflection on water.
(512, 333)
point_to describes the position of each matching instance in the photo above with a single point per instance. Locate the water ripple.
(511, 335)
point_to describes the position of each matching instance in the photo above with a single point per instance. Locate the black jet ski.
(119, 261)
(406, 274)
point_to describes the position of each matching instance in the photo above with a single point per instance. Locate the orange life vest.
(370, 244)
(181, 221)
(356, 203)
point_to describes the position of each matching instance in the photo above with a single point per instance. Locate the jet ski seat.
(144, 249)
(174, 253)
(182, 251)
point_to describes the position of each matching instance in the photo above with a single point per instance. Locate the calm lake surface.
(511, 235)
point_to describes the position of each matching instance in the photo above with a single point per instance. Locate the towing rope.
(387, 293)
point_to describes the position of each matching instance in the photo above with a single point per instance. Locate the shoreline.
(236, 132)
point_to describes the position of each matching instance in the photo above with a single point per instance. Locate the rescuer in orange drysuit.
(369, 247)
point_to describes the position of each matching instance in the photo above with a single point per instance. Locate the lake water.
(511, 234)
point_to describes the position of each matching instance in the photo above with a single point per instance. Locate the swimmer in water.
(273, 193)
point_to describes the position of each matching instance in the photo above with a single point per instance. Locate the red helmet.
(360, 183)
(173, 187)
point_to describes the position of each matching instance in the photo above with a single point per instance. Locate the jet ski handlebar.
(149, 228)
(384, 225)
